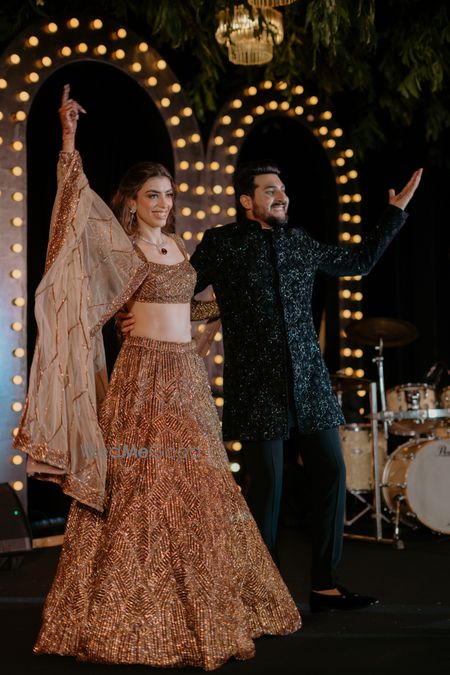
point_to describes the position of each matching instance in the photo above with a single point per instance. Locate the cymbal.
(394, 332)
(347, 383)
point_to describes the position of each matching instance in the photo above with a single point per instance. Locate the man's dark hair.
(244, 179)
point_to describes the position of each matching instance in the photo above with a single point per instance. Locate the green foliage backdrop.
(385, 63)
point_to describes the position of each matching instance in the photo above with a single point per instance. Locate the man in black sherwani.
(275, 381)
(276, 385)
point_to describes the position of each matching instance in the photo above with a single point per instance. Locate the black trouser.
(324, 466)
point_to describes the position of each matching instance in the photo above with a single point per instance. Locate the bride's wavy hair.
(129, 186)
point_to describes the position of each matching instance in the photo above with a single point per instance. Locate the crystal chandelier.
(250, 34)
(270, 3)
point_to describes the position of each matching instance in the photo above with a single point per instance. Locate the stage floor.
(408, 633)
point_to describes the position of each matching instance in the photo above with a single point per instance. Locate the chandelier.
(250, 34)
(270, 3)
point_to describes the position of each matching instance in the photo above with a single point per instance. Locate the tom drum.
(411, 398)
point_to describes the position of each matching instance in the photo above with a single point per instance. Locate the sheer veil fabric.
(91, 270)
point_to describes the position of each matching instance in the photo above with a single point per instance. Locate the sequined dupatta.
(91, 270)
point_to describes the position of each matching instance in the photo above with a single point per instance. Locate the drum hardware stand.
(396, 541)
(368, 507)
(360, 514)
(376, 504)
(379, 362)
(379, 517)
(399, 544)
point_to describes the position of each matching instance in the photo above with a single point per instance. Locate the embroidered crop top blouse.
(167, 283)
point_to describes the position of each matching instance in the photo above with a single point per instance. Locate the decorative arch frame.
(233, 123)
(31, 59)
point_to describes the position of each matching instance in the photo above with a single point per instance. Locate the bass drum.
(417, 476)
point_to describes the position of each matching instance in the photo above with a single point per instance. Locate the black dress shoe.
(319, 602)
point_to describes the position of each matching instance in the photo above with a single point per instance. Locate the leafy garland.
(388, 62)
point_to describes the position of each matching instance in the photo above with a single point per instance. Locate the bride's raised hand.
(69, 113)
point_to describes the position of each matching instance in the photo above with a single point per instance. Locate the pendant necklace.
(161, 248)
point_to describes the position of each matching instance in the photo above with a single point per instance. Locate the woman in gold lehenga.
(162, 563)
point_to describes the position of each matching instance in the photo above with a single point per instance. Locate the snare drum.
(417, 476)
(356, 442)
(411, 398)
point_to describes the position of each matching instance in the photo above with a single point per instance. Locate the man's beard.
(277, 222)
(273, 221)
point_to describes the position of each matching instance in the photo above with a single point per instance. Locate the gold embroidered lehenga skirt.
(174, 571)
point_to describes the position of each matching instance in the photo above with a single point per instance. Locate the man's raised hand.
(402, 199)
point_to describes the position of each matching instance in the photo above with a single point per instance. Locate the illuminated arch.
(29, 60)
(234, 121)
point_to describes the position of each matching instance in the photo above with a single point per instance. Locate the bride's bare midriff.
(170, 322)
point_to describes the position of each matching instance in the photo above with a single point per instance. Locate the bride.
(162, 562)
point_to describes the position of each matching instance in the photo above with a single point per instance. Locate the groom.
(276, 386)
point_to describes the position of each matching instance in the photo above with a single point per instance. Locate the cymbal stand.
(379, 362)
(376, 463)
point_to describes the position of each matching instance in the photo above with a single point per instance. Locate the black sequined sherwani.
(263, 281)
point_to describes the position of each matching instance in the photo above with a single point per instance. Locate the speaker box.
(15, 531)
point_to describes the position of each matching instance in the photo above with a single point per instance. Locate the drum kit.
(414, 480)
